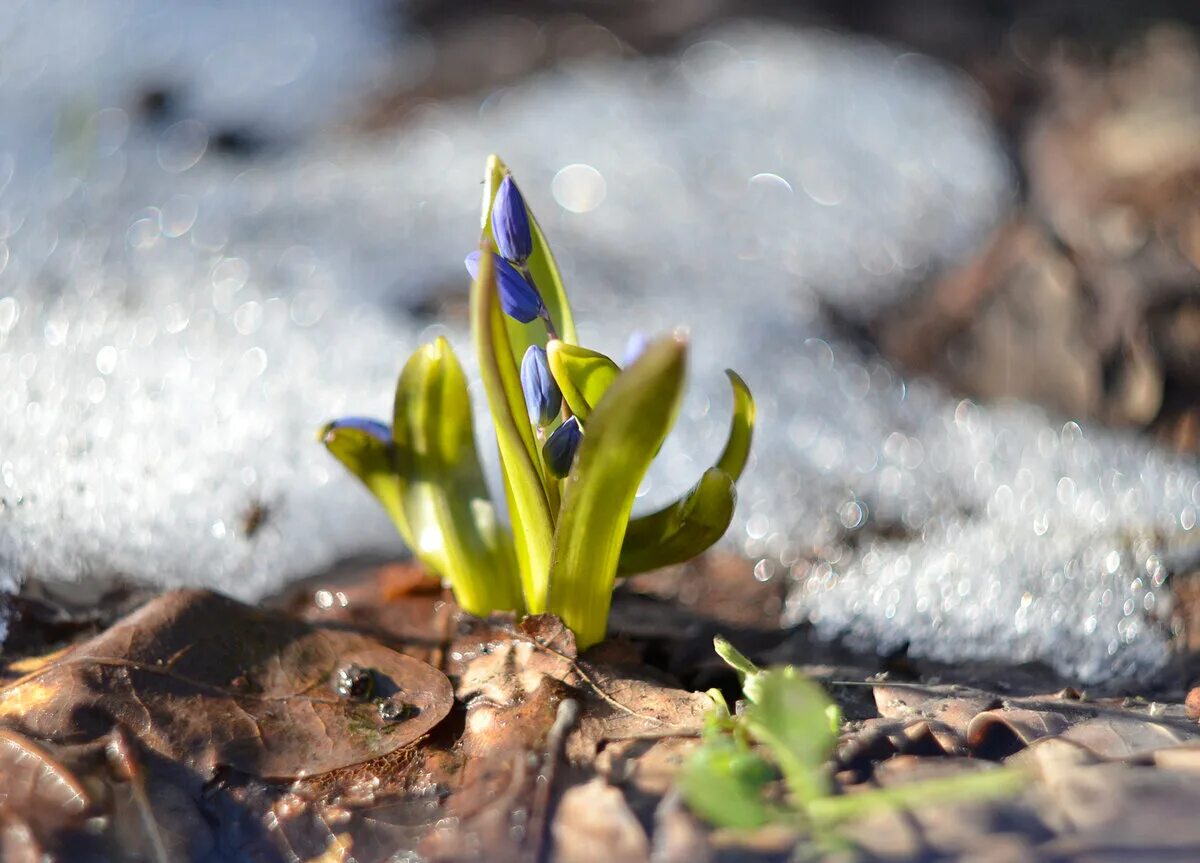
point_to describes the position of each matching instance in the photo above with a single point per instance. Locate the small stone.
(1191, 704)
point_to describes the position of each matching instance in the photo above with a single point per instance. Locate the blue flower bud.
(375, 428)
(635, 347)
(510, 223)
(559, 451)
(542, 395)
(518, 298)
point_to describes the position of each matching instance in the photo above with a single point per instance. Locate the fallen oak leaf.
(204, 680)
(37, 787)
(28, 664)
(160, 825)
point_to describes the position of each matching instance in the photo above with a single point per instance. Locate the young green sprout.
(785, 734)
(576, 435)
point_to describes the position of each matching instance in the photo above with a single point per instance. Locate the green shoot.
(788, 729)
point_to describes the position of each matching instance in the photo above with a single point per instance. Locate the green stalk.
(972, 787)
(533, 524)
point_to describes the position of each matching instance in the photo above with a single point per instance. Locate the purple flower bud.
(518, 298)
(559, 451)
(510, 223)
(375, 428)
(542, 395)
(635, 347)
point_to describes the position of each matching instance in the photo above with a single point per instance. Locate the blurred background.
(954, 248)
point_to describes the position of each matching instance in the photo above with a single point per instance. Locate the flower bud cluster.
(520, 300)
(510, 227)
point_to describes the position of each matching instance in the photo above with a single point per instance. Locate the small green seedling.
(729, 780)
(576, 435)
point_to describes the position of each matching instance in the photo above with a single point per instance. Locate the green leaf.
(719, 720)
(736, 660)
(791, 715)
(369, 459)
(442, 489)
(682, 530)
(623, 433)
(529, 508)
(723, 784)
(696, 521)
(584, 376)
(741, 428)
(541, 268)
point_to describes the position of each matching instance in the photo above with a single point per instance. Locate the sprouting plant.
(786, 730)
(576, 435)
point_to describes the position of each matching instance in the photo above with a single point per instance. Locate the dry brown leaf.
(595, 824)
(205, 680)
(953, 705)
(1129, 812)
(37, 785)
(1185, 758)
(535, 663)
(398, 604)
(43, 803)
(1122, 736)
(996, 733)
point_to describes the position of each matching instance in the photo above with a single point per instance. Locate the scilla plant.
(576, 435)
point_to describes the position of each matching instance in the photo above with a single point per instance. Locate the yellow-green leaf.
(694, 522)
(369, 459)
(519, 458)
(623, 433)
(682, 530)
(583, 375)
(442, 489)
(741, 428)
(735, 659)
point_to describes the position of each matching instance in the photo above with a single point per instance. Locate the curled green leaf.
(693, 523)
(682, 530)
(583, 375)
(736, 453)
